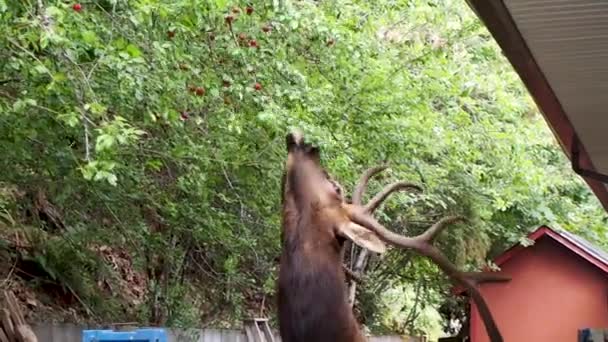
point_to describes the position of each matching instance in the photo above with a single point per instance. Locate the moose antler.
(423, 244)
(359, 264)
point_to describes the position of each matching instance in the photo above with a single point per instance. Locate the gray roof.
(585, 245)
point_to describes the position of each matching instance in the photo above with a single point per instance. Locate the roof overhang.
(559, 48)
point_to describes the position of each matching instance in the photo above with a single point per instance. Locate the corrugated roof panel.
(585, 245)
(569, 42)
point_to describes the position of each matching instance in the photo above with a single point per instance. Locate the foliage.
(405, 306)
(156, 127)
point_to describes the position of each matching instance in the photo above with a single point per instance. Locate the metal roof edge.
(497, 19)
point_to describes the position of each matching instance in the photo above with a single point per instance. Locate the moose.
(316, 222)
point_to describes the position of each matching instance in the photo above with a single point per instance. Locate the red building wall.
(552, 294)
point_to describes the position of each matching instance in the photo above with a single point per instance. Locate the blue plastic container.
(140, 335)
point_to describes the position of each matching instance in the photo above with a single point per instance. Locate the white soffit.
(569, 41)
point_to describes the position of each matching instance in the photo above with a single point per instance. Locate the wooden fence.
(72, 333)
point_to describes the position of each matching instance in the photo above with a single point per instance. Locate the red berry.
(253, 43)
(257, 86)
(77, 7)
(200, 91)
(170, 34)
(249, 10)
(226, 83)
(229, 19)
(236, 10)
(184, 116)
(266, 28)
(242, 36)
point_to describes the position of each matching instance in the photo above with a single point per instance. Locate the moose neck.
(313, 305)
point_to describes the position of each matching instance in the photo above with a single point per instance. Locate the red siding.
(553, 293)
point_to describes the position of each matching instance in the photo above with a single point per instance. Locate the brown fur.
(312, 299)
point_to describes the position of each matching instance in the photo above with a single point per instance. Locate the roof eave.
(499, 22)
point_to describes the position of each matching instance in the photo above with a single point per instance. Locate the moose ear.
(362, 236)
(294, 139)
(313, 152)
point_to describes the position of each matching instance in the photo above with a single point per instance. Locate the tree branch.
(2, 82)
(486, 277)
(352, 275)
(358, 269)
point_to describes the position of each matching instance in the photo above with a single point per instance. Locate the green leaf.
(59, 77)
(41, 69)
(96, 108)
(221, 4)
(89, 170)
(104, 142)
(112, 179)
(89, 37)
(70, 119)
(133, 51)
(154, 164)
(21, 104)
